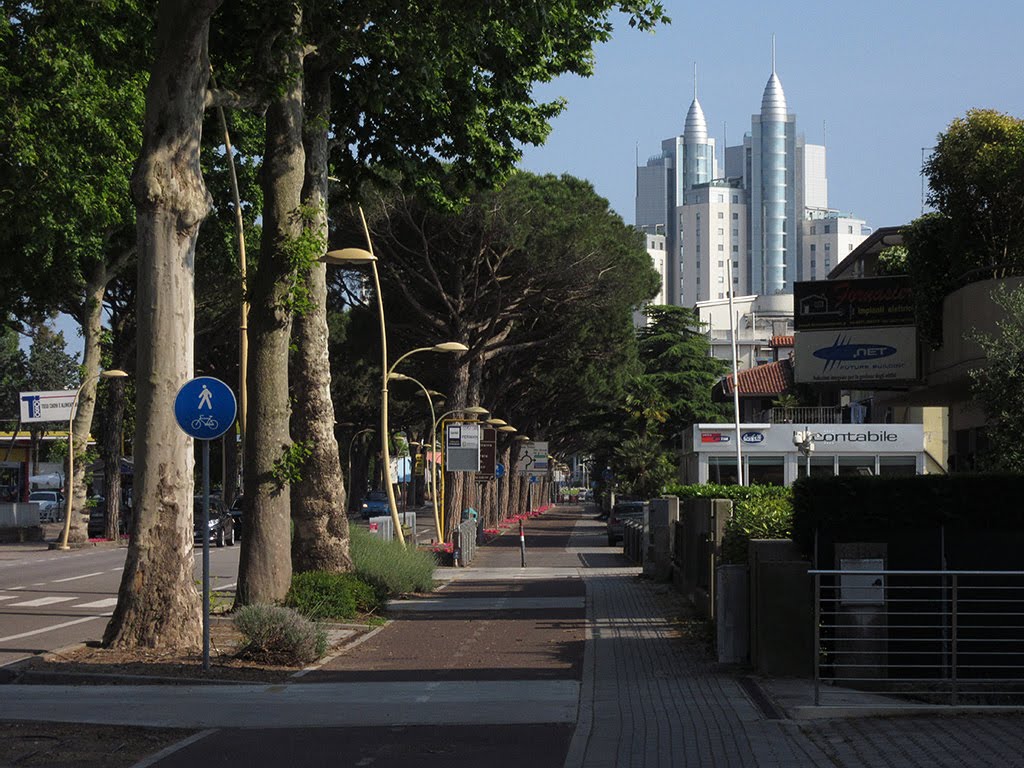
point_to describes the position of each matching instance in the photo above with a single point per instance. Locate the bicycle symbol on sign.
(204, 421)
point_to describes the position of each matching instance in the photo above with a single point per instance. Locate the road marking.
(225, 587)
(41, 601)
(115, 570)
(108, 602)
(74, 578)
(52, 628)
(8, 597)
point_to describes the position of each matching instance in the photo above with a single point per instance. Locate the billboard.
(777, 439)
(856, 355)
(47, 406)
(461, 446)
(858, 303)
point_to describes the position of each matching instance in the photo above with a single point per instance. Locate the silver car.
(51, 505)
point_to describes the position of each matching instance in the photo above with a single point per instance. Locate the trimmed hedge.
(758, 512)
(868, 508)
(323, 595)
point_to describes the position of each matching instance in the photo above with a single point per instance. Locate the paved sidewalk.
(574, 662)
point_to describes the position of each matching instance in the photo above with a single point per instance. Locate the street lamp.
(114, 373)
(350, 256)
(433, 477)
(350, 444)
(805, 442)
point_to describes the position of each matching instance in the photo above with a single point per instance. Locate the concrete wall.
(781, 610)
(698, 542)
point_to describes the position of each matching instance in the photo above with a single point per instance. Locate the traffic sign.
(499, 470)
(205, 408)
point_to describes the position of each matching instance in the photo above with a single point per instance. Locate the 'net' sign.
(47, 406)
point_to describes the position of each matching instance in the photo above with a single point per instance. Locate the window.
(721, 278)
(698, 247)
(813, 247)
(735, 216)
(698, 279)
(828, 263)
(814, 229)
(735, 280)
(721, 264)
(849, 230)
(735, 199)
(735, 233)
(813, 264)
(735, 265)
(721, 198)
(821, 466)
(721, 231)
(857, 465)
(897, 465)
(721, 295)
(721, 215)
(735, 249)
(828, 228)
(850, 247)
(698, 263)
(766, 470)
(814, 275)
(721, 247)
(698, 215)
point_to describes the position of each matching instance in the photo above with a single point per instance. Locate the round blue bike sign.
(205, 408)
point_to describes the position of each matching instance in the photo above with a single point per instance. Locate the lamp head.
(114, 373)
(451, 346)
(476, 410)
(507, 428)
(348, 256)
(397, 377)
(497, 422)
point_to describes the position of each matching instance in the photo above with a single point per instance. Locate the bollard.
(456, 549)
(522, 544)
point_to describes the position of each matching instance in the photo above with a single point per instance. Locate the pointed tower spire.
(773, 102)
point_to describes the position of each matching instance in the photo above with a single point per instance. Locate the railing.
(804, 415)
(938, 637)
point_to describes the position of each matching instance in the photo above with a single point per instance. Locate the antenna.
(824, 133)
(773, 53)
(695, 81)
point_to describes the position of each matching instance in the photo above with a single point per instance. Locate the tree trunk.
(320, 542)
(113, 424)
(505, 457)
(454, 485)
(265, 568)
(158, 605)
(92, 330)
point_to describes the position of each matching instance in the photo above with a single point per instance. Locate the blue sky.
(878, 79)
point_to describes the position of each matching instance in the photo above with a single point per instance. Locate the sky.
(874, 81)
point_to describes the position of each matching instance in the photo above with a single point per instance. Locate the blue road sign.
(499, 470)
(205, 408)
(607, 475)
(534, 479)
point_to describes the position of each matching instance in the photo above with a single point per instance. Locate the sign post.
(205, 409)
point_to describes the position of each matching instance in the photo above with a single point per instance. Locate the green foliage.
(996, 387)
(643, 466)
(390, 568)
(893, 260)
(12, 373)
(326, 595)
(288, 468)
(976, 184)
(279, 635)
(301, 253)
(758, 512)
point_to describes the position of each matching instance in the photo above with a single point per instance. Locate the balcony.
(801, 415)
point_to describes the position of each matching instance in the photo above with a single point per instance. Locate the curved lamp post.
(351, 443)
(430, 402)
(348, 257)
(114, 373)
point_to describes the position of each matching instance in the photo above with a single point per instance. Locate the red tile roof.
(767, 380)
(782, 341)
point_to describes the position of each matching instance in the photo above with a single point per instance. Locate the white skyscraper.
(743, 231)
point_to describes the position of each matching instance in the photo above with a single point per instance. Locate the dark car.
(236, 511)
(221, 528)
(375, 504)
(97, 506)
(622, 511)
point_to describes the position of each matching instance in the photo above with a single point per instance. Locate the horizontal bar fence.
(936, 637)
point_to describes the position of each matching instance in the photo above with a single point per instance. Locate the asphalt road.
(51, 599)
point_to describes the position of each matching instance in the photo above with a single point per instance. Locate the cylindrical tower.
(773, 185)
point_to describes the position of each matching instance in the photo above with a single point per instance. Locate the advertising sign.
(777, 439)
(462, 446)
(858, 303)
(856, 355)
(46, 406)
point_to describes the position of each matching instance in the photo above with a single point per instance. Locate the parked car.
(375, 504)
(51, 505)
(221, 528)
(97, 506)
(622, 511)
(236, 510)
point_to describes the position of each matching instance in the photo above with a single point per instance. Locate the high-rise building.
(755, 229)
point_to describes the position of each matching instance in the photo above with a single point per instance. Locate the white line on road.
(41, 601)
(108, 602)
(8, 597)
(51, 628)
(73, 578)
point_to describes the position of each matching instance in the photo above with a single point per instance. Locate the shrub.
(279, 635)
(324, 595)
(388, 567)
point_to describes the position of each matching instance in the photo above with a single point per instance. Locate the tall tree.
(70, 110)
(158, 604)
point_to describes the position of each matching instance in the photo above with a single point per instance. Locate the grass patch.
(324, 595)
(389, 568)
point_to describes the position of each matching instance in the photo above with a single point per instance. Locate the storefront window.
(897, 465)
(856, 465)
(722, 470)
(821, 466)
(766, 470)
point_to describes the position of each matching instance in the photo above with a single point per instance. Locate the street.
(51, 599)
